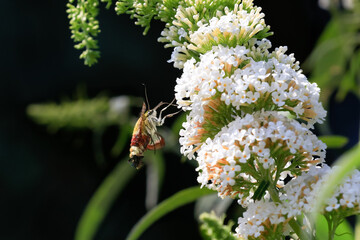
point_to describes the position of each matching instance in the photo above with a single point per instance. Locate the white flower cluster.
(251, 115)
(190, 31)
(256, 141)
(262, 218)
(200, 79)
(240, 81)
(300, 194)
(238, 26)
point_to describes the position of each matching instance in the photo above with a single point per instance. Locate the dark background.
(47, 179)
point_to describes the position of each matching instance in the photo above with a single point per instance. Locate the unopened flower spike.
(84, 27)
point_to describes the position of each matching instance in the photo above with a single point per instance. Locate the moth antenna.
(146, 97)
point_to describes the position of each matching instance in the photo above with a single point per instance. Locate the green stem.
(293, 223)
(357, 228)
(331, 228)
(335, 221)
(331, 234)
(274, 194)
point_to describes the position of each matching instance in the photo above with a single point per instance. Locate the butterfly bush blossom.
(250, 120)
(262, 145)
(271, 219)
(250, 117)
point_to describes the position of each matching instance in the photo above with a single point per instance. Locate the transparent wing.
(156, 142)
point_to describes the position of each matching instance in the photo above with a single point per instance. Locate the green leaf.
(101, 201)
(334, 61)
(343, 231)
(177, 200)
(348, 82)
(347, 163)
(213, 227)
(261, 190)
(334, 141)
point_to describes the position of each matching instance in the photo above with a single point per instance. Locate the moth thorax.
(154, 120)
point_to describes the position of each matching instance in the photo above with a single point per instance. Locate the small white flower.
(266, 162)
(332, 204)
(278, 98)
(245, 155)
(252, 97)
(182, 33)
(260, 150)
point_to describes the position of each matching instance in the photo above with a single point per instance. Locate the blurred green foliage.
(334, 141)
(102, 200)
(334, 63)
(94, 114)
(175, 201)
(78, 114)
(213, 227)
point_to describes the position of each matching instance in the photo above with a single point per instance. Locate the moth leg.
(169, 115)
(169, 104)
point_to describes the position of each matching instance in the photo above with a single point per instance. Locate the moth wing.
(156, 142)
